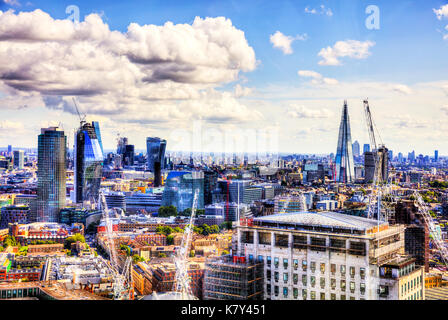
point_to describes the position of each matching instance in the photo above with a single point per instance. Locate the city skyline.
(291, 72)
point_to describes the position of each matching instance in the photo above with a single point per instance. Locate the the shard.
(344, 171)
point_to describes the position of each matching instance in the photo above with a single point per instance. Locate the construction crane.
(82, 118)
(182, 280)
(376, 176)
(436, 235)
(123, 284)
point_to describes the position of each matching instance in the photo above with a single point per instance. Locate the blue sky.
(408, 51)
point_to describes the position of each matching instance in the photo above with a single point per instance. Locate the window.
(322, 268)
(276, 290)
(343, 285)
(352, 272)
(322, 283)
(268, 260)
(362, 273)
(362, 288)
(304, 294)
(285, 277)
(352, 287)
(296, 264)
(343, 297)
(295, 293)
(352, 298)
(260, 259)
(313, 266)
(333, 283)
(268, 275)
(333, 268)
(295, 278)
(313, 281)
(285, 292)
(304, 265)
(285, 263)
(313, 295)
(276, 276)
(333, 296)
(322, 296)
(251, 257)
(304, 279)
(268, 289)
(276, 262)
(343, 270)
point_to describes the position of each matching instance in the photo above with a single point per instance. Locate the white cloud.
(161, 72)
(15, 3)
(283, 42)
(240, 91)
(402, 89)
(442, 12)
(323, 10)
(317, 78)
(445, 109)
(299, 111)
(349, 48)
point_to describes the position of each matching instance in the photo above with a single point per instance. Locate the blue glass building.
(180, 187)
(155, 148)
(345, 170)
(88, 163)
(51, 175)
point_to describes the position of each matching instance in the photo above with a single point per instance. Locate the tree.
(136, 258)
(10, 241)
(214, 229)
(178, 230)
(227, 225)
(73, 239)
(126, 248)
(166, 230)
(162, 255)
(192, 253)
(167, 211)
(206, 229)
(170, 239)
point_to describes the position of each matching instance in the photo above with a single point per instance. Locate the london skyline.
(134, 73)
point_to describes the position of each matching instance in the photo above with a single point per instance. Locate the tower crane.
(82, 118)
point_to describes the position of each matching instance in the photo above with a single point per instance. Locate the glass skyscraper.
(51, 175)
(96, 125)
(345, 171)
(180, 187)
(88, 163)
(155, 148)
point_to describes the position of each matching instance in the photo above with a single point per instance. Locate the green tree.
(72, 239)
(178, 230)
(126, 248)
(170, 239)
(167, 211)
(162, 255)
(136, 258)
(206, 229)
(227, 225)
(192, 253)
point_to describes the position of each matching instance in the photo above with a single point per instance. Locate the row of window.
(333, 282)
(333, 267)
(410, 285)
(295, 294)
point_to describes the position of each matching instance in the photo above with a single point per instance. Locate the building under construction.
(233, 278)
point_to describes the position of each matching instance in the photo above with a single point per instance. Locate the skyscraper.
(356, 148)
(436, 155)
(88, 163)
(155, 148)
(96, 125)
(51, 172)
(128, 155)
(18, 159)
(366, 148)
(180, 188)
(345, 171)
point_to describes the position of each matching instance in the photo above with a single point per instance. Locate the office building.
(180, 188)
(155, 148)
(14, 214)
(356, 149)
(366, 148)
(19, 159)
(128, 155)
(88, 164)
(344, 170)
(436, 155)
(51, 175)
(330, 256)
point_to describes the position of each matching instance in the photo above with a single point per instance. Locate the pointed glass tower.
(345, 171)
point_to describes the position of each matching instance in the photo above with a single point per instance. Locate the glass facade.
(155, 148)
(180, 187)
(51, 175)
(344, 171)
(88, 163)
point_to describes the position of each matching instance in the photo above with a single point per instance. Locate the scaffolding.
(233, 278)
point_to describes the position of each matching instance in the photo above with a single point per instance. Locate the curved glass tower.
(88, 163)
(345, 170)
(155, 148)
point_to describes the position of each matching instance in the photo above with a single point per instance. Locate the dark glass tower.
(345, 171)
(51, 177)
(155, 148)
(88, 163)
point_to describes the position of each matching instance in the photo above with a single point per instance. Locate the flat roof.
(321, 219)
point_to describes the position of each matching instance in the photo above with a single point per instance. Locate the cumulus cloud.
(241, 91)
(283, 42)
(442, 12)
(402, 89)
(148, 70)
(299, 111)
(321, 10)
(349, 48)
(317, 78)
(445, 109)
(14, 3)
